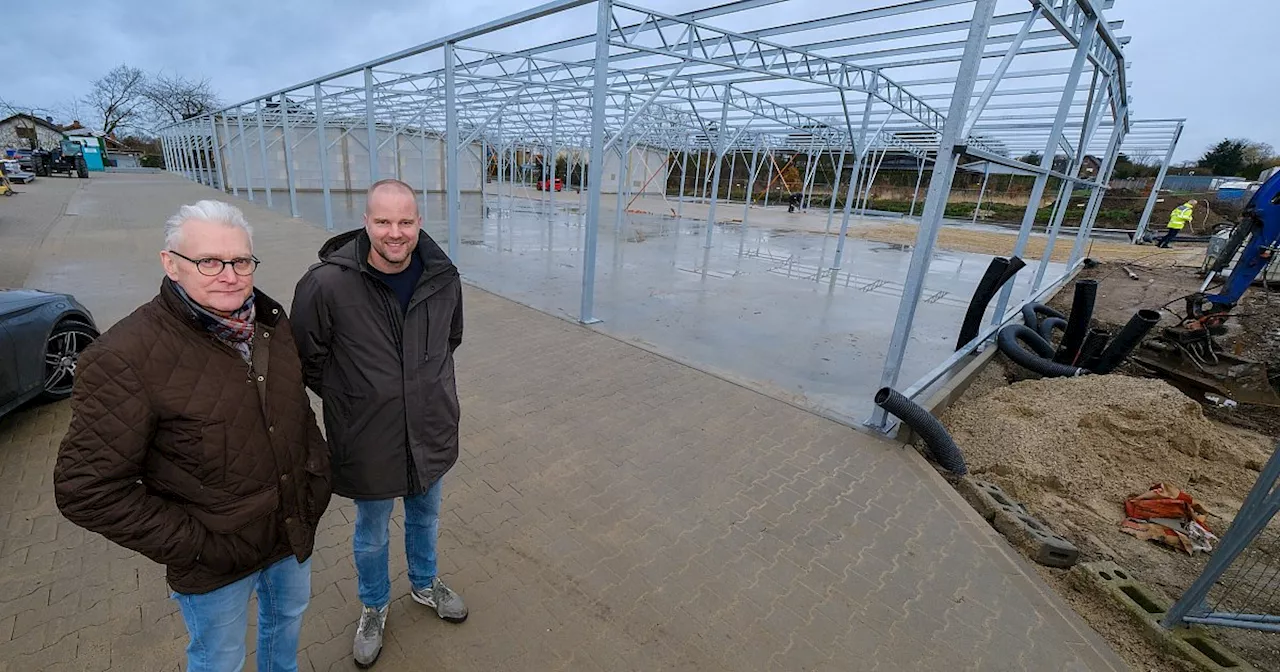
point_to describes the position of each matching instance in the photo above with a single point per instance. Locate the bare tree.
(118, 97)
(175, 98)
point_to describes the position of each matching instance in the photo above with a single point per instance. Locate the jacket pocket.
(197, 447)
(237, 514)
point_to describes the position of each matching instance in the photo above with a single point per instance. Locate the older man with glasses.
(192, 442)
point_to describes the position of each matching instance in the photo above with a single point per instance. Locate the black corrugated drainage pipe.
(1094, 343)
(998, 273)
(1048, 325)
(1032, 312)
(1078, 322)
(942, 447)
(1040, 361)
(1129, 337)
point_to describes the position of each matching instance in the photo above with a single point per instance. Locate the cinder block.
(987, 498)
(1035, 539)
(1147, 606)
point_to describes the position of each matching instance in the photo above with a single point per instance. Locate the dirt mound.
(1092, 441)
(1073, 449)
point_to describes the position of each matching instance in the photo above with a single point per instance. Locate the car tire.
(62, 350)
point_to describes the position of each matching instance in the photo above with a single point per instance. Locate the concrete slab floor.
(762, 305)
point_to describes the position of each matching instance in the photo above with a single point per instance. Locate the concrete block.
(1035, 538)
(1147, 606)
(987, 498)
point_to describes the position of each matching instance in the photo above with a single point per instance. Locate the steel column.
(371, 125)
(986, 174)
(226, 134)
(936, 200)
(914, 195)
(288, 156)
(684, 164)
(262, 151)
(555, 151)
(751, 183)
(244, 154)
(860, 153)
(322, 142)
(1155, 187)
(452, 152)
(721, 132)
(201, 158)
(596, 167)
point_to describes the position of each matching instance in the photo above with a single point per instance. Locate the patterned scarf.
(235, 330)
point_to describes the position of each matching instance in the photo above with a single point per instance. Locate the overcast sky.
(1198, 59)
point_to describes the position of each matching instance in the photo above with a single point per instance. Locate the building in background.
(25, 131)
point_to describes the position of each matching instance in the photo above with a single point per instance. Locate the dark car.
(25, 162)
(41, 337)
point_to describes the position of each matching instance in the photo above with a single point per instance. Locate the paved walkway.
(612, 510)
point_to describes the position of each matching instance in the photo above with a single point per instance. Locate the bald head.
(389, 189)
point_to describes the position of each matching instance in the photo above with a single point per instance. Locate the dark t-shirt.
(404, 282)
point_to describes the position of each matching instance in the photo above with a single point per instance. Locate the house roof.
(33, 119)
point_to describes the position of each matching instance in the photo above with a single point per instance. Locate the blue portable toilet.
(93, 153)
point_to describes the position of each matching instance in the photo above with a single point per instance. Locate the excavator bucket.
(1245, 381)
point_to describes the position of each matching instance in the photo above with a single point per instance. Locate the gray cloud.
(1189, 58)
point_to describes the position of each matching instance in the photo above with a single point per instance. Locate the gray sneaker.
(368, 644)
(448, 604)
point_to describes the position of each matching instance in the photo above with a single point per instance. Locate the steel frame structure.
(935, 79)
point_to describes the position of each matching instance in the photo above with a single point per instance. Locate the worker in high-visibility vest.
(1180, 217)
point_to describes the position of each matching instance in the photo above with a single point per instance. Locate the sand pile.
(1073, 449)
(1090, 442)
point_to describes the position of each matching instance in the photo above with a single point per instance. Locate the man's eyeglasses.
(211, 266)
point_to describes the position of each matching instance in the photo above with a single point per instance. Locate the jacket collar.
(351, 250)
(268, 313)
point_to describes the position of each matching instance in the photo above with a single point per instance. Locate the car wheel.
(62, 354)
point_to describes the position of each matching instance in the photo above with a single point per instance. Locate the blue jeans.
(372, 543)
(217, 621)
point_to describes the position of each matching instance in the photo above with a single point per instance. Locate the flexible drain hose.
(1048, 325)
(1040, 361)
(1032, 312)
(1129, 337)
(942, 447)
(1078, 322)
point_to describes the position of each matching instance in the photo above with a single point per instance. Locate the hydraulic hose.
(999, 271)
(1129, 337)
(1010, 341)
(1048, 325)
(942, 447)
(1078, 322)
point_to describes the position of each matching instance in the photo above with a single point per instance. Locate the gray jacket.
(386, 376)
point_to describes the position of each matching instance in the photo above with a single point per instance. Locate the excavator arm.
(1187, 354)
(1260, 225)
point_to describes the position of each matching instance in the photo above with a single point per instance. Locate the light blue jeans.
(372, 543)
(217, 621)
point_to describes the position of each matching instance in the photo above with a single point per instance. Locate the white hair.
(209, 211)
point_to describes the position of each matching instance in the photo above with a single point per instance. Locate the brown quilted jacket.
(181, 452)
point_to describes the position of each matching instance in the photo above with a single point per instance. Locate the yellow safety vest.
(1180, 216)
